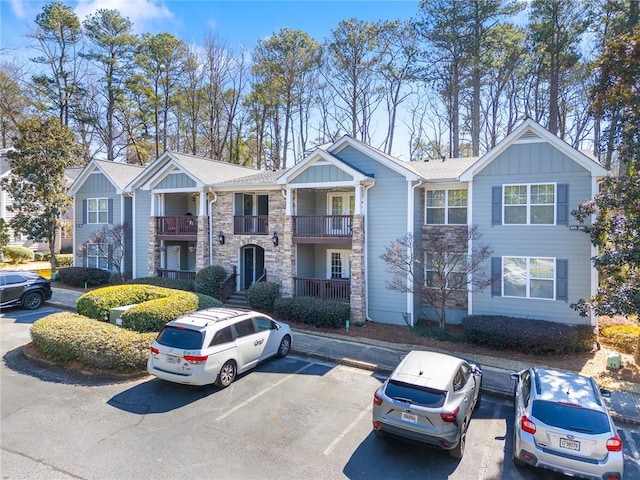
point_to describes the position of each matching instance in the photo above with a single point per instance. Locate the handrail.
(323, 225)
(227, 286)
(263, 277)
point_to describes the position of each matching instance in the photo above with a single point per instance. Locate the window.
(528, 277)
(97, 210)
(338, 264)
(245, 327)
(222, 336)
(453, 265)
(530, 204)
(97, 255)
(263, 323)
(446, 207)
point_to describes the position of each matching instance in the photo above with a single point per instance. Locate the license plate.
(172, 360)
(570, 444)
(409, 417)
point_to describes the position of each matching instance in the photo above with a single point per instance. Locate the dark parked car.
(23, 288)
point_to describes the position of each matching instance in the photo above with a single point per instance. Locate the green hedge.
(526, 335)
(155, 306)
(623, 338)
(18, 254)
(262, 295)
(84, 276)
(175, 283)
(64, 260)
(312, 311)
(208, 280)
(68, 336)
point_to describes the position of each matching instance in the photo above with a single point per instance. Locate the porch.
(338, 290)
(322, 228)
(183, 227)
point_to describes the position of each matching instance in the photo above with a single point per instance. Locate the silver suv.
(562, 424)
(214, 345)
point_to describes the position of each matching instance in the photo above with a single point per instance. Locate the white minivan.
(215, 345)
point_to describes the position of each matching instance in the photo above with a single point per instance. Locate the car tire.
(458, 451)
(227, 374)
(284, 347)
(32, 300)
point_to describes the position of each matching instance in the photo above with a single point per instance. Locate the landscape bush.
(526, 335)
(208, 280)
(262, 295)
(64, 260)
(83, 276)
(623, 338)
(175, 283)
(69, 336)
(41, 256)
(312, 311)
(16, 254)
(154, 306)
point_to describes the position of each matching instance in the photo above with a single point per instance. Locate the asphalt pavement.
(383, 357)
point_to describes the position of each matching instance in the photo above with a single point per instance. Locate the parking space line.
(257, 395)
(489, 446)
(334, 444)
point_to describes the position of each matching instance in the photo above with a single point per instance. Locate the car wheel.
(458, 452)
(227, 374)
(285, 346)
(32, 300)
(516, 461)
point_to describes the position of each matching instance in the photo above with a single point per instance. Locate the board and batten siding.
(322, 174)
(141, 219)
(534, 163)
(385, 221)
(97, 185)
(175, 180)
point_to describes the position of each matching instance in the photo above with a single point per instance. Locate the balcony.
(322, 228)
(338, 290)
(176, 274)
(177, 228)
(251, 224)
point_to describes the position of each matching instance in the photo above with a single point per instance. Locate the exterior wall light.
(274, 239)
(192, 248)
(221, 238)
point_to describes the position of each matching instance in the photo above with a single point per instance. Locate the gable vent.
(530, 137)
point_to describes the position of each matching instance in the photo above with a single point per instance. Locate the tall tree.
(37, 185)
(112, 51)
(14, 104)
(556, 29)
(58, 36)
(282, 62)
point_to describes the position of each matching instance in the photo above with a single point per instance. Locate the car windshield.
(570, 417)
(183, 338)
(416, 395)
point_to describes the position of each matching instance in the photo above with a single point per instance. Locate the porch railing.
(322, 225)
(176, 274)
(228, 286)
(184, 225)
(338, 290)
(251, 224)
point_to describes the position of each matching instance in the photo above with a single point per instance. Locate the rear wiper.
(402, 399)
(580, 429)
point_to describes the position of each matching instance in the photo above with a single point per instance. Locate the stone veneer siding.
(358, 277)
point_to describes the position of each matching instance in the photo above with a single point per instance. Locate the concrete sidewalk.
(382, 358)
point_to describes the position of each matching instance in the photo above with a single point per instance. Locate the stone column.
(288, 258)
(358, 274)
(154, 257)
(202, 243)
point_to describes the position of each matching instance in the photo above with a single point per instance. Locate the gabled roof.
(204, 171)
(261, 179)
(119, 174)
(320, 155)
(530, 131)
(440, 171)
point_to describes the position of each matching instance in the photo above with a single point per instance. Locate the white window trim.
(528, 278)
(448, 271)
(343, 253)
(346, 202)
(97, 257)
(528, 205)
(446, 206)
(97, 211)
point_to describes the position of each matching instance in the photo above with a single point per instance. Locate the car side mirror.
(515, 376)
(605, 393)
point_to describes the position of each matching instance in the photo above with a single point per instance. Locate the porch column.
(358, 274)
(154, 257)
(288, 257)
(202, 243)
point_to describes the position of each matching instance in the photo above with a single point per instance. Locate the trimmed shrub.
(623, 338)
(312, 311)
(64, 260)
(68, 336)
(41, 256)
(18, 254)
(83, 276)
(262, 295)
(208, 280)
(154, 306)
(526, 335)
(175, 283)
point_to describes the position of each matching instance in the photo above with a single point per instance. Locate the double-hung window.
(450, 266)
(529, 204)
(529, 277)
(98, 255)
(97, 210)
(446, 207)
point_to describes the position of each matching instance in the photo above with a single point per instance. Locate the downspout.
(211, 202)
(411, 231)
(364, 252)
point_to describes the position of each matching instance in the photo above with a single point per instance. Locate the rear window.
(427, 397)
(183, 338)
(567, 417)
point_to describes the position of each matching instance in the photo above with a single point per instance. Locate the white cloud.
(142, 13)
(17, 7)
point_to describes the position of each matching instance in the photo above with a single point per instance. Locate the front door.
(252, 265)
(173, 257)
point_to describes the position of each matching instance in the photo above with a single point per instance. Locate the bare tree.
(440, 269)
(108, 244)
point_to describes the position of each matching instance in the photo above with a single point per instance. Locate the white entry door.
(338, 264)
(173, 257)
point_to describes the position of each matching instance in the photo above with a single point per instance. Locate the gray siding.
(97, 185)
(176, 180)
(322, 173)
(128, 220)
(142, 212)
(385, 221)
(534, 163)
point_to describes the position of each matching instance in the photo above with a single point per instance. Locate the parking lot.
(288, 418)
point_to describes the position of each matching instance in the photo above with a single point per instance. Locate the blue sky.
(238, 22)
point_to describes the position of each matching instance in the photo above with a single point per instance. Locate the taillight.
(614, 444)
(154, 350)
(450, 416)
(527, 425)
(376, 399)
(195, 358)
